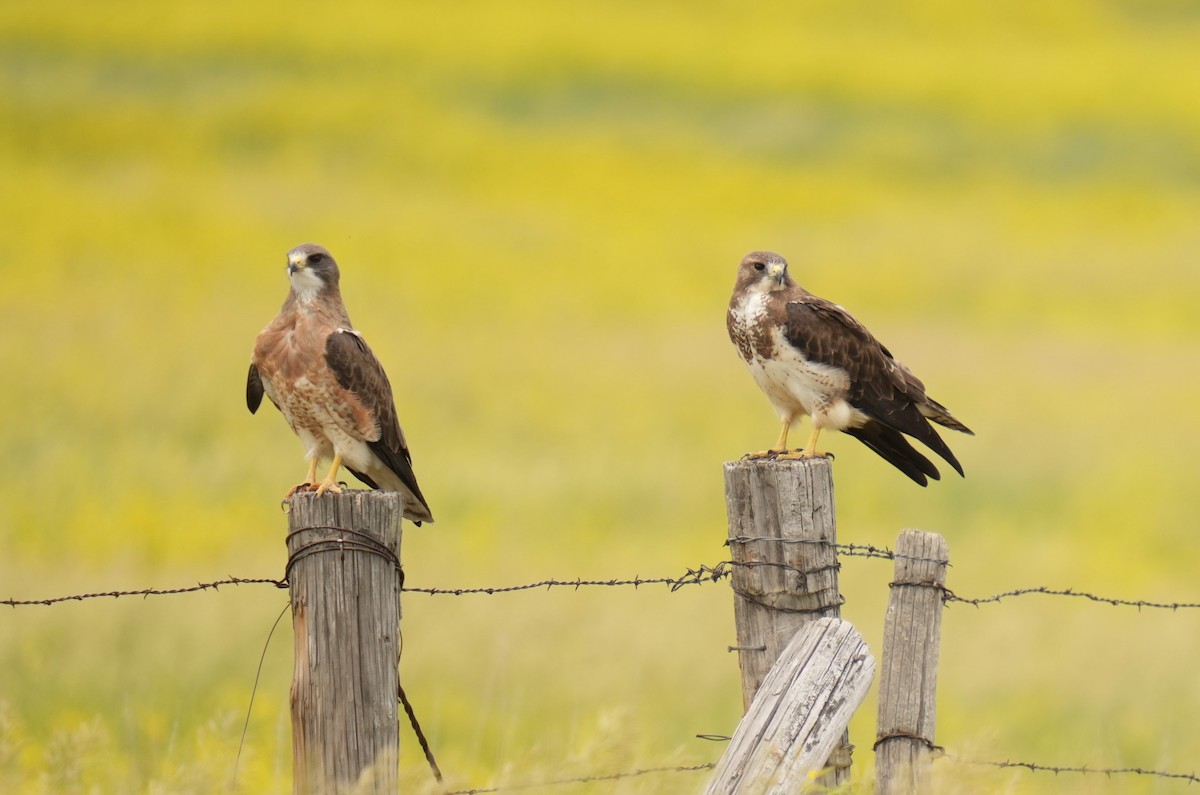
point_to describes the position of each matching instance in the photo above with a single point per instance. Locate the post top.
(765, 463)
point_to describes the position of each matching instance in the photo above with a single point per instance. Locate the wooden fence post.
(344, 576)
(782, 537)
(908, 680)
(799, 714)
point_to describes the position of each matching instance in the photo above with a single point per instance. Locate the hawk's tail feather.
(891, 445)
(936, 412)
(416, 510)
(911, 420)
(929, 437)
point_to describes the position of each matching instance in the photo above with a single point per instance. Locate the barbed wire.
(561, 782)
(849, 550)
(697, 576)
(1035, 767)
(145, 592)
(950, 597)
(704, 573)
(693, 576)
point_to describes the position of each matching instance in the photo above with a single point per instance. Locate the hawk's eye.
(315, 259)
(760, 266)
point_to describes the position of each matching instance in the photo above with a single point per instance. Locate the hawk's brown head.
(312, 270)
(763, 272)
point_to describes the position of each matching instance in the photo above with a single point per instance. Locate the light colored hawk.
(810, 356)
(320, 373)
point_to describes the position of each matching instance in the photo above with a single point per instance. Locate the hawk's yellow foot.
(310, 480)
(810, 450)
(780, 444)
(797, 455)
(330, 482)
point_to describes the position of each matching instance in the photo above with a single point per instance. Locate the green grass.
(538, 212)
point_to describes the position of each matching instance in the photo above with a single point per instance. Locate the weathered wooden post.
(782, 539)
(344, 575)
(799, 714)
(908, 680)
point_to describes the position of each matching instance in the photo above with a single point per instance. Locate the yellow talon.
(780, 451)
(330, 481)
(810, 450)
(310, 480)
(798, 455)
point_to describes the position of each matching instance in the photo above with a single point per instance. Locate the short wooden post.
(908, 681)
(799, 714)
(344, 576)
(782, 539)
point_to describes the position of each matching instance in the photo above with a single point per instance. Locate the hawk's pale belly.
(324, 428)
(309, 400)
(794, 385)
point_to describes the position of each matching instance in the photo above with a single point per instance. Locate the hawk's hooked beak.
(295, 264)
(777, 271)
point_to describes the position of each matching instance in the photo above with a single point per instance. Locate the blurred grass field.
(538, 211)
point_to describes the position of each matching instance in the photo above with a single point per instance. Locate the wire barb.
(950, 597)
(703, 574)
(584, 779)
(1035, 767)
(849, 550)
(145, 592)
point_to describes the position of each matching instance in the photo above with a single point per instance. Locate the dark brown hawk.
(809, 356)
(320, 373)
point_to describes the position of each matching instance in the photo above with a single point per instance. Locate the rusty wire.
(702, 574)
(561, 782)
(849, 550)
(146, 592)
(1035, 767)
(951, 597)
(693, 576)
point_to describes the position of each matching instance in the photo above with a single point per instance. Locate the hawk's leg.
(330, 481)
(780, 444)
(810, 450)
(310, 480)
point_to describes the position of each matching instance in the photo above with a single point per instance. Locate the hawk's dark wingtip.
(891, 445)
(254, 389)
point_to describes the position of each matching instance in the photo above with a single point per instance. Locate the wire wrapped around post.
(345, 577)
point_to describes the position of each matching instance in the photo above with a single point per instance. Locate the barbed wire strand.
(145, 592)
(1035, 767)
(951, 597)
(697, 576)
(584, 779)
(849, 550)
